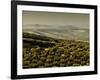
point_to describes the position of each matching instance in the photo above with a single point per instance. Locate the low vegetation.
(42, 52)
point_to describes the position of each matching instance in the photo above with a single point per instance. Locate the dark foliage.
(42, 52)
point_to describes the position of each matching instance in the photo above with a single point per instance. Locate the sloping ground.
(70, 32)
(40, 52)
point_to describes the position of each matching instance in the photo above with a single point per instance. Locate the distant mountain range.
(68, 32)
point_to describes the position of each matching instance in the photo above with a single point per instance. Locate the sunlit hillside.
(67, 32)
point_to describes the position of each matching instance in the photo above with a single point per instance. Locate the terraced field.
(41, 52)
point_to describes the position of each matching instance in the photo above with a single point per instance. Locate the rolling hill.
(41, 51)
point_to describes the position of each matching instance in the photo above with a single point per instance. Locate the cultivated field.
(42, 51)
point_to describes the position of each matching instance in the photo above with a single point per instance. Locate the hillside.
(70, 32)
(41, 51)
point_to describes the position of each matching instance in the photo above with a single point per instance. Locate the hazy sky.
(53, 18)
